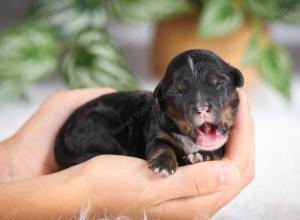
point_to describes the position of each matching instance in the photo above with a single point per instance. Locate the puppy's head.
(198, 93)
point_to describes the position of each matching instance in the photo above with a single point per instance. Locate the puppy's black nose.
(204, 110)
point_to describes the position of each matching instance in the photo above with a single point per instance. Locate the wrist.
(88, 189)
(54, 196)
(73, 191)
(20, 160)
(85, 191)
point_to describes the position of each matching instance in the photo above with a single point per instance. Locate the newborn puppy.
(187, 118)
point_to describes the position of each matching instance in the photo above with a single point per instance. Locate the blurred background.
(50, 46)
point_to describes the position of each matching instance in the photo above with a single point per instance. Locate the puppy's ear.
(237, 76)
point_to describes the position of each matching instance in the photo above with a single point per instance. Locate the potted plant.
(237, 31)
(70, 37)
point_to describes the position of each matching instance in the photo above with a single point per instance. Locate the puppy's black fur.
(187, 119)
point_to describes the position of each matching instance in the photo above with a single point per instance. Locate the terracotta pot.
(179, 34)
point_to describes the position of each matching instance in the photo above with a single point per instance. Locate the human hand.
(29, 153)
(109, 182)
(126, 187)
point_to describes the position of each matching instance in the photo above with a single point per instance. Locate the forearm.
(14, 166)
(19, 160)
(55, 196)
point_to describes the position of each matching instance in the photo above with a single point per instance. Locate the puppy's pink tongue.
(207, 135)
(208, 129)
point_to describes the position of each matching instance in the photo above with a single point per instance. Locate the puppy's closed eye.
(180, 83)
(219, 80)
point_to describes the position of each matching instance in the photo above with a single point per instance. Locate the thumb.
(198, 179)
(241, 144)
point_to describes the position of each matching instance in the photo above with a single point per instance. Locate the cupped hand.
(127, 187)
(119, 185)
(29, 152)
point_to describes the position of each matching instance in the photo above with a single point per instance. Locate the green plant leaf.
(27, 54)
(219, 18)
(253, 49)
(145, 10)
(275, 66)
(95, 60)
(262, 9)
(10, 89)
(69, 17)
(273, 10)
(292, 8)
(200, 3)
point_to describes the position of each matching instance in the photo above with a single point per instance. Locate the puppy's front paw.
(163, 166)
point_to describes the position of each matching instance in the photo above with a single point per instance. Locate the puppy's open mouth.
(209, 138)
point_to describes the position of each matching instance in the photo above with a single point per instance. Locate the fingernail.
(229, 175)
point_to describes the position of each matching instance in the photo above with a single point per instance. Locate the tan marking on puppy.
(227, 116)
(184, 126)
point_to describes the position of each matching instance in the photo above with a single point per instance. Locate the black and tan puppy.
(186, 120)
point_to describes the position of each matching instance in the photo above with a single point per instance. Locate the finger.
(71, 99)
(63, 103)
(197, 179)
(200, 207)
(55, 110)
(241, 142)
(186, 208)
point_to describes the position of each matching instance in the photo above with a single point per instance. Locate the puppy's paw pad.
(162, 167)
